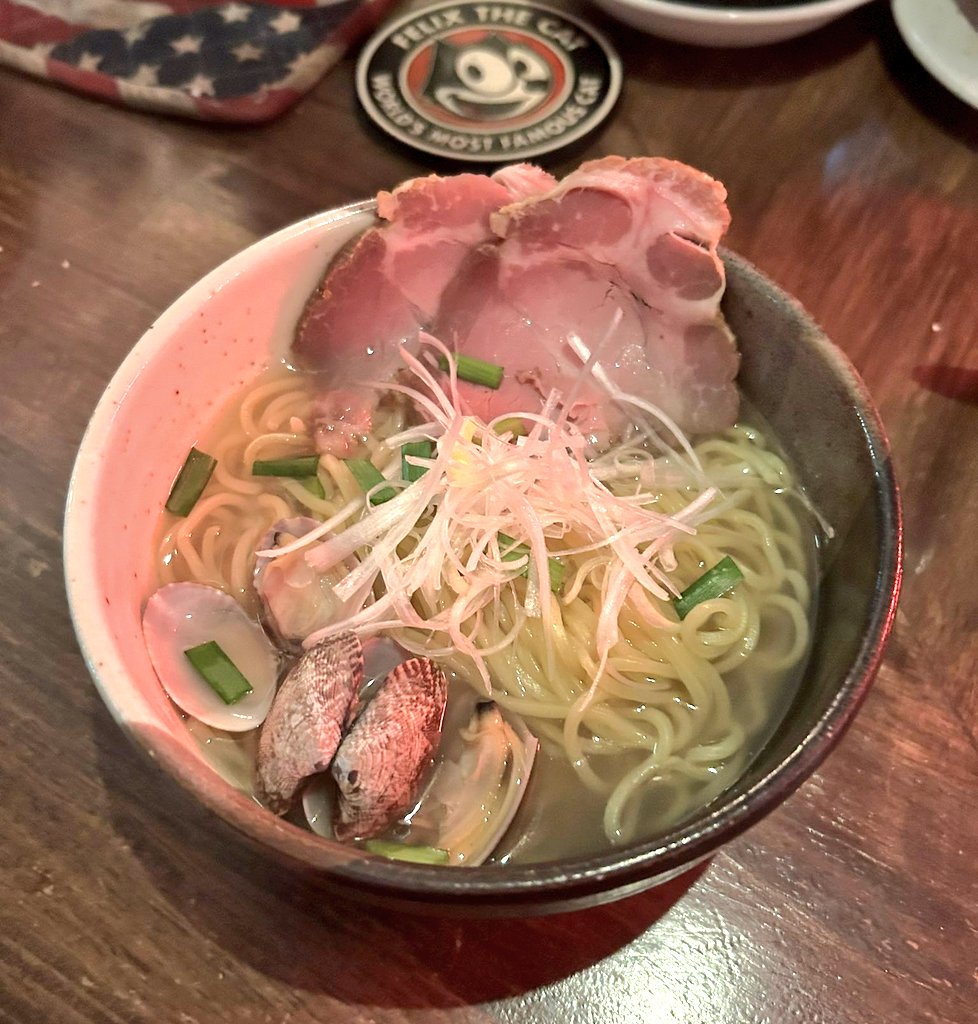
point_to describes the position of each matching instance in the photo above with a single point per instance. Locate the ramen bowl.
(216, 338)
(730, 23)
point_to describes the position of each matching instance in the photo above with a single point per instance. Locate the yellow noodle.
(670, 721)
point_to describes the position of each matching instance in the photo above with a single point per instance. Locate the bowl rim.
(560, 882)
(708, 14)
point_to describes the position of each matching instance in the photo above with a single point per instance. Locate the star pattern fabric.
(231, 61)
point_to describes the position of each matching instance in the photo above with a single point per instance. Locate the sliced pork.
(637, 236)
(389, 284)
(527, 316)
(609, 279)
(522, 181)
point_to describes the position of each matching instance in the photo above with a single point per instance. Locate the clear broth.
(559, 816)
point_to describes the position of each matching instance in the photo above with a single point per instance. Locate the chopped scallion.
(418, 449)
(475, 371)
(300, 467)
(218, 671)
(367, 475)
(190, 482)
(557, 571)
(314, 486)
(514, 550)
(401, 851)
(715, 582)
(510, 549)
(514, 425)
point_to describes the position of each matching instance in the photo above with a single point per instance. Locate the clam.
(381, 764)
(311, 711)
(477, 787)
(393, 774)
(481, 775)
(381, 655)
(296, 600)
(181, 616)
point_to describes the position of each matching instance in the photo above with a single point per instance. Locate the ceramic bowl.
(218, 335)
(727, 24)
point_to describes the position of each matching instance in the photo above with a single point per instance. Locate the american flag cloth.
(208, 59)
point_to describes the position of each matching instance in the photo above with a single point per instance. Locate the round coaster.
(488, 82)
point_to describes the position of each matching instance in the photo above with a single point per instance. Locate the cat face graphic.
(488, 80)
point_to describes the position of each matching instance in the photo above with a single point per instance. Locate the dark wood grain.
(853, 181)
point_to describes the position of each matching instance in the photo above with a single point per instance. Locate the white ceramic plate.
(943, 36)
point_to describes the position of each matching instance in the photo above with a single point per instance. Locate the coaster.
(488, 82)
(221, 61)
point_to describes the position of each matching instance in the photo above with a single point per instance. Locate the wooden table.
(853, 182)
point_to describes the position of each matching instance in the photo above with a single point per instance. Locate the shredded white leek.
(436, 544)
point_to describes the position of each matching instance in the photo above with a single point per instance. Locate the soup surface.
(642, 716)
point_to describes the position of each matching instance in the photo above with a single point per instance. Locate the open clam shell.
(479, 781)
(296, 600)
(478, 786)
(180, 616)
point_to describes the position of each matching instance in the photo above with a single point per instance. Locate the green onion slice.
(367, 475)
(314, 486)
(190, 482)
(218, 671)
(475, 371)
(510, 550)
(419, 449)
(300, 467)
(715, 582)
(514, 425)
(401, 851)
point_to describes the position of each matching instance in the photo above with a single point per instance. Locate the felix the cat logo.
(488, 82)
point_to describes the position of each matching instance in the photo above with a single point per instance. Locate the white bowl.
(727, 26)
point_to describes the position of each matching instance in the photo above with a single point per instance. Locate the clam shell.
(477, 788)
(296, 600)
(307, 720)
(182, 615)
(381, 655)
(381, 765)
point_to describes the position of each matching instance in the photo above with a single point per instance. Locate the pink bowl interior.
(206, 346)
